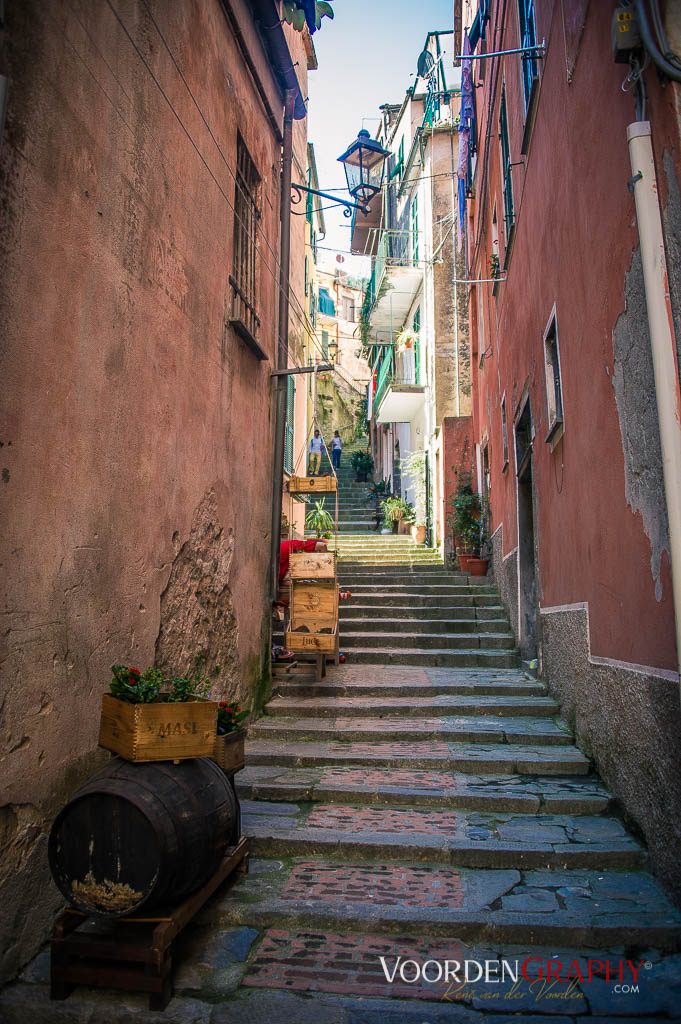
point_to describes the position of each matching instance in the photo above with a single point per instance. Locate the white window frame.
(555, 406)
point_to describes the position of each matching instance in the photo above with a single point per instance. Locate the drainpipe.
(667, 391)
(281, 382)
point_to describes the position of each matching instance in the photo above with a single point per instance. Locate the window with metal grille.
(506, 166)
(246, 217)
(290, 412)
(325, 345)
(528, 38)
(554, 390)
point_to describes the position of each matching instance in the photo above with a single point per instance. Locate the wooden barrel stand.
(133, 953)
(168, 835)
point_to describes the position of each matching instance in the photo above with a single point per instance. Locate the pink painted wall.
(135, 430)
(574, 244)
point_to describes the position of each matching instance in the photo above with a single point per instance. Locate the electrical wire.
(298, 313)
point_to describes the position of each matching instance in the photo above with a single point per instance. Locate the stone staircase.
(427, 802)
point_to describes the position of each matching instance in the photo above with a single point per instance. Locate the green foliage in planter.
(464, 518)
(135, 687)
(378, 490)
(319, 519)
(230, 717)
(414, 470)
(298, 12)
(362, 462)
(396, 508)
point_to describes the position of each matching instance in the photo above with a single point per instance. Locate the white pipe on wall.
(667, 389)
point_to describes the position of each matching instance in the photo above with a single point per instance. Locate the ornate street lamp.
(364, 162)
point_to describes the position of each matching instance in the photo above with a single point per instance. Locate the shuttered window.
(246, 217)
(290, 412)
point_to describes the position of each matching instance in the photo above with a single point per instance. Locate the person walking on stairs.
(316, 451)
(336, 449)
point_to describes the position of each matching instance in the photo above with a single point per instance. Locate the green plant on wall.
(465, 519)
(319, 519)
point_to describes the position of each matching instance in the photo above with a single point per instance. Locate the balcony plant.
(494, 267)
(319, 518)
(406, 339)
(363, 464)
(147, 716)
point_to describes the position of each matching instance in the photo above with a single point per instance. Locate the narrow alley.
(340, 488)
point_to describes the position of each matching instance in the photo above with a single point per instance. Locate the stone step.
(427, 788)
(442, 704)
(416, 588)
(418, 622)
(410, 690)
(469, 658)
(472, 599)
(471, 758)
(461, 728)
(493, 905)
(412, 574)
(467, 838)
(426, 641)
(430, 613)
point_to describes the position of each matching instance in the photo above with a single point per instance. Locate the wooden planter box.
(310, 484)
(318, 565)
(228, 751)
(314, 607)
(158, 732)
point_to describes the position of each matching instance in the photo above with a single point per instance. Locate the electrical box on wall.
(625, 34)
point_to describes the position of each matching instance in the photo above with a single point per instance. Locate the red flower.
(134, 672)
(222, 704)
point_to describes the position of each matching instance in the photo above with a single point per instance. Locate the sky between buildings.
(366, 56)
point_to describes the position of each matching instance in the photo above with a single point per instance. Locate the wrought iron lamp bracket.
(297, 197)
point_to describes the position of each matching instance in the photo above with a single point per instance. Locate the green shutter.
(414, 229)
(416, 326)
(506, 165)
(325, 344)
(290, 404)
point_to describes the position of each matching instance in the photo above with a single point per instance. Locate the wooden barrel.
(142, 835)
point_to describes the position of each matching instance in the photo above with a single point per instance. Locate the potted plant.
(229, 741)
(406, 339)
(148, 717)
(414, 471)
(478, 562)
(363, 464)
(319, 519)
(395, 509)
(464, 518)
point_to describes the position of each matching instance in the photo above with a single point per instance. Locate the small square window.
(554, 388)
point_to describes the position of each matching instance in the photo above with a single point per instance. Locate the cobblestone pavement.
(412, 867)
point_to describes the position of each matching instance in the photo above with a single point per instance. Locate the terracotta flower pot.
(419, 534)
(478, 566)
(464, 561)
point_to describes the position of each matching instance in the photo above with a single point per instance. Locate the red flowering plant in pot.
(229, 741)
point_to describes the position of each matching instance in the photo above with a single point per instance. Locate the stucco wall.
(628, 719)
(135, 426)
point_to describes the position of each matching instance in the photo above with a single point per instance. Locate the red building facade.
(565, 416)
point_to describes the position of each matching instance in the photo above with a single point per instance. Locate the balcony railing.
(395, 249)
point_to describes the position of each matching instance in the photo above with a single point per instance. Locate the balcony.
(395, 280)
(398, 397)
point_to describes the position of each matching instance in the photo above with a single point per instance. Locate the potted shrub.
(394, 510)
(414, 470)
(465, 521)
(363, 464)
(228, 752)
(148, 717)
(319, 519)
(478, 562)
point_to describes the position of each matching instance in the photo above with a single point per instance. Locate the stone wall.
(628, 719)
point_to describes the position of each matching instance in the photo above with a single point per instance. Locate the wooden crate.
(317, 565)
(228, 751)
(314, 606)
(158, 731)
(312, 484)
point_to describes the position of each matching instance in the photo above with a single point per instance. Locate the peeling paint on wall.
(634, 387)
(196, 606)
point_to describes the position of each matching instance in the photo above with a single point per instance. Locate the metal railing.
(395, 249)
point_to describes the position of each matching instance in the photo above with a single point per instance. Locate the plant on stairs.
(319, 519)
